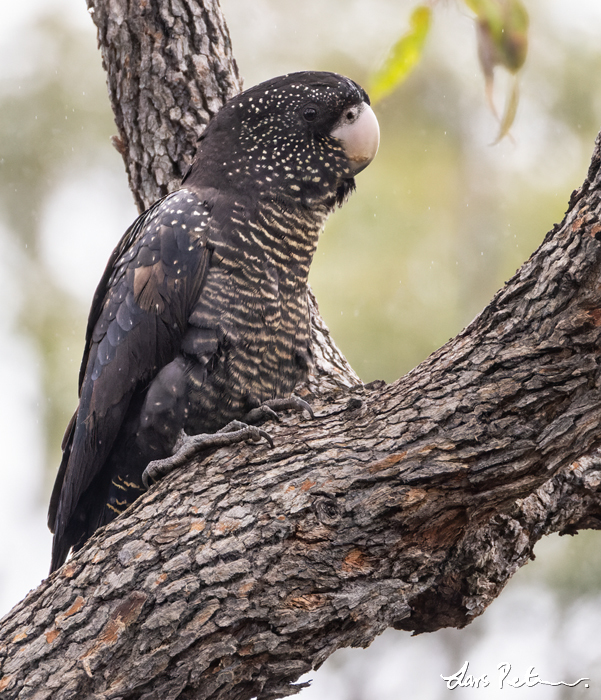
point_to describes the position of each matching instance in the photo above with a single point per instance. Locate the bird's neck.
(275, 227)
(288, 232)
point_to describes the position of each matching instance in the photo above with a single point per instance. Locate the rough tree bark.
(407, 505)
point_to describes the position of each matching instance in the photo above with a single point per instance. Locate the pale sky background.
(396, 666)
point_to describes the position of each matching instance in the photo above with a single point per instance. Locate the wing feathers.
(138, 318)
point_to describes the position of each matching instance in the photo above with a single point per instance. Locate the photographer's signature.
(464, 679)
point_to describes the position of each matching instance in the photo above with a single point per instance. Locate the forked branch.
(407, 505)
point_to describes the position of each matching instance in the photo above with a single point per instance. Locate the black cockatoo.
(201, 315)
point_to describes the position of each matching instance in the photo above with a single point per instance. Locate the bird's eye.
(310, 114)
(351, 115)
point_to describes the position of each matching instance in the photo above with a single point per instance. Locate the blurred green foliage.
(569, 564)
(55, 120)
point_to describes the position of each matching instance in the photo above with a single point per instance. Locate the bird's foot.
(269, 409)
(189, 445)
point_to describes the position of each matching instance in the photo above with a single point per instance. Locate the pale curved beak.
(359, 132)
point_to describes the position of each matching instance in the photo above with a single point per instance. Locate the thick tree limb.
(169, 69)
(406, 505)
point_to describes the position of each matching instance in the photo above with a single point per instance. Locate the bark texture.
(406, 505)
(169, 69)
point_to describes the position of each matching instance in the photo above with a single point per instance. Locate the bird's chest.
(261, 315)
(258, 325)
(281, 305)
(249, 332)
(256, 289)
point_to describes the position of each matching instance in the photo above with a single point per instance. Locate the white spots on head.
(276, 145)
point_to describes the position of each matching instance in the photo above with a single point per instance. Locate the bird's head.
(302, 136)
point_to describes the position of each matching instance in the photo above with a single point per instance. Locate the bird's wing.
(138, 317)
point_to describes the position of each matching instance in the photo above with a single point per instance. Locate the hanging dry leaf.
(502, 32)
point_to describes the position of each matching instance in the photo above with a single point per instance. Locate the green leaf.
(403, 56)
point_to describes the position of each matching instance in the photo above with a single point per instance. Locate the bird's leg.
(269, 409)
(187, 446)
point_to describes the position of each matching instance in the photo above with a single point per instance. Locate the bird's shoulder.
(154, 275)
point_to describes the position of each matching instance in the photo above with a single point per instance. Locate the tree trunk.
(407, 505)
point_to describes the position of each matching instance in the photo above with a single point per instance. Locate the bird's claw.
(268, 410)
(261, 413)
(187, 446)
(255, 434)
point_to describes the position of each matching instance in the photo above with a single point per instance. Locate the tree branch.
(407, 505)
(169, 69)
